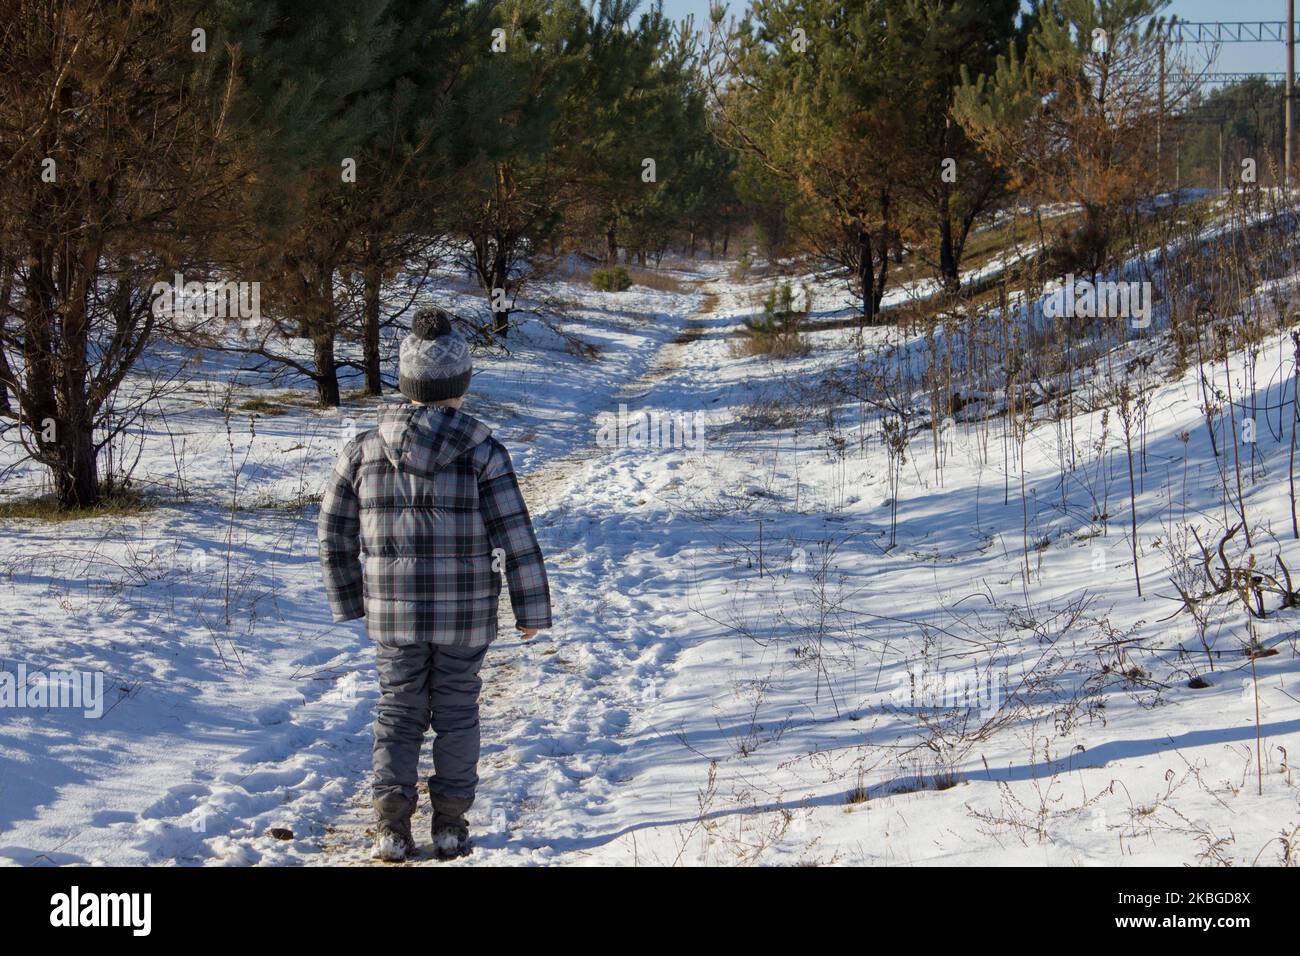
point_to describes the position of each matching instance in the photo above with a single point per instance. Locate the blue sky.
(1232, 57)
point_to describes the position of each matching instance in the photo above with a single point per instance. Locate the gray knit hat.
(434, 362)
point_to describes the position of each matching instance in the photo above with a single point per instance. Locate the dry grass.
(283, 403)
(777, 345)
(47, 508)
(262, 406)
(659, 281)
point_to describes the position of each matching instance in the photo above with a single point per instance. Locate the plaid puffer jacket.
(428, 497)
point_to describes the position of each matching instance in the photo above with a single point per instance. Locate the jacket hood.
(425, 439)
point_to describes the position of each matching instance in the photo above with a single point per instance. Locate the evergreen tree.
(520, 103)
(852, 107)
(693, 190)
(117, 169)
(408, 183)
(628, 147)
(809, 107)
(312, 99)
(1075, 119)
(1238, 121)
(944, 180)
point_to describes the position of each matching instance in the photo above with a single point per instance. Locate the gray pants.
(421, 686)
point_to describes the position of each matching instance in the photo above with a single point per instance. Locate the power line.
(1222, 31)
(1241, 31)
(1217, 75)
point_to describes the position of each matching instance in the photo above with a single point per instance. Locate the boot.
(450, 828)
(393, 840)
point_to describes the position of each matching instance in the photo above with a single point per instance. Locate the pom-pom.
(430, 324)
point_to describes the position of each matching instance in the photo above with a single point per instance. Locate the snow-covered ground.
(741, 669)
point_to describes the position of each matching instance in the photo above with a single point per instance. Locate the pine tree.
(852, 107)
(944, 180)
(693, 190)
(1074, 119)
(411, 182)
(520, 103)
(116, 169)
(312, 99)
(808, 109)
(626, 147)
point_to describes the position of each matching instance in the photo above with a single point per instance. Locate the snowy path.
(241, 741)
(559, 712)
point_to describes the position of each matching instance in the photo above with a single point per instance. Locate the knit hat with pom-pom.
(434, 362)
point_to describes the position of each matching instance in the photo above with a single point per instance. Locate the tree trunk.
(6, 373)
(947, 258)
(372, 278)
(886, 231)
(40, 403)
(611, 245)
(76, 476)
(327, 375)
(501, 313)
(323, 327)
(947, 251)
(57, 383)
(501, 322)
(866, 275)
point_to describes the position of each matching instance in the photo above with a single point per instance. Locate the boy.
(430, 497)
